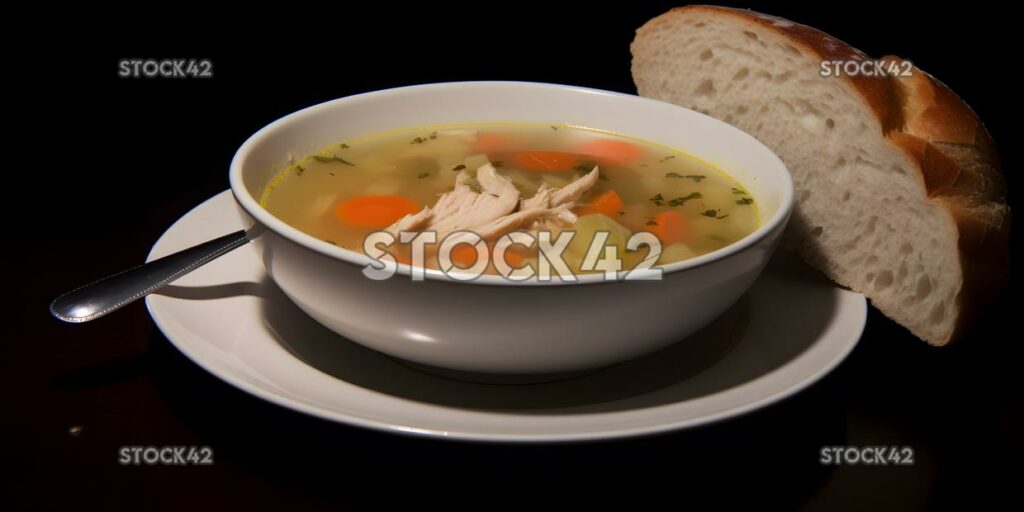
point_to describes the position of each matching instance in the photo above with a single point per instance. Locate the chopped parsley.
(695, 177)
(343, 146)
(679, 201)
(744, 201)
(422, 175)
(713, 214)
(666, 159)
(459, 167)
(299, 170)
(421, 140)
(658, 199)
(332, 158)
(651, 223)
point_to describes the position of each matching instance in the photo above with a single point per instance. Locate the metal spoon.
(112, 293)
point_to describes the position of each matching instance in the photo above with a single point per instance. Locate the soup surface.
(494, 179)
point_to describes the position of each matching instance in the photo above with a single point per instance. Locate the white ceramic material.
(789, 330)
(490, 324)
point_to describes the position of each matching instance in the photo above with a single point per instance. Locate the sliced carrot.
(607, 203)
(491, 142)
(374, 211)
(514, 257)
(464, 255)
(671, 228)
(546, 160)
(612, 151)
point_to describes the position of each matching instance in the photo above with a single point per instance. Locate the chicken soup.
(497, 179)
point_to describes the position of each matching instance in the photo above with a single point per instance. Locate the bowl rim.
(252, 207)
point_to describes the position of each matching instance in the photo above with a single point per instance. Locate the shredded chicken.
(496, 208)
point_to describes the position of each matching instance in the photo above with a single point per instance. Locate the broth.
(353, 188)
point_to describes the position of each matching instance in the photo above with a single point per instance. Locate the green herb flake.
(332, 158)
(738, 191)
(433, 135)
(422, 175)
(679, 201)
(744, 201)
(658, 199)
(553, 127)
(673, 175)
(713, 214)
(344, 146)
(418, 140)
(651, 223)
(666, 159)
(697, 178)
(299, 170)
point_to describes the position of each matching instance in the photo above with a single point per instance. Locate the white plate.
(791, 329)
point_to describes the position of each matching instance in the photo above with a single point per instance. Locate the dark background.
(104, 165)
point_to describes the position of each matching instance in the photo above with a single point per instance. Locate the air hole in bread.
(902, 273)
(750, 35)
(804, 194)
(938, 313)
(784, 77)
(884, 280)
(924, 287)
(741, 74)
(830, 123)
(742, 109)
(846, 196)
(906, 249)
(706, 54)
(869, 227)
(817, 231)
(706, 88)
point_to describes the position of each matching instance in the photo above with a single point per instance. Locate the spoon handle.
(110, 294)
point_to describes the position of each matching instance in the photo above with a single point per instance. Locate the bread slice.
(899, 192)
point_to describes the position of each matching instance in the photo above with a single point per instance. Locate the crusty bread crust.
(954, 154)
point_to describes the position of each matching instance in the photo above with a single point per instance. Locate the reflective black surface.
(114, 161)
